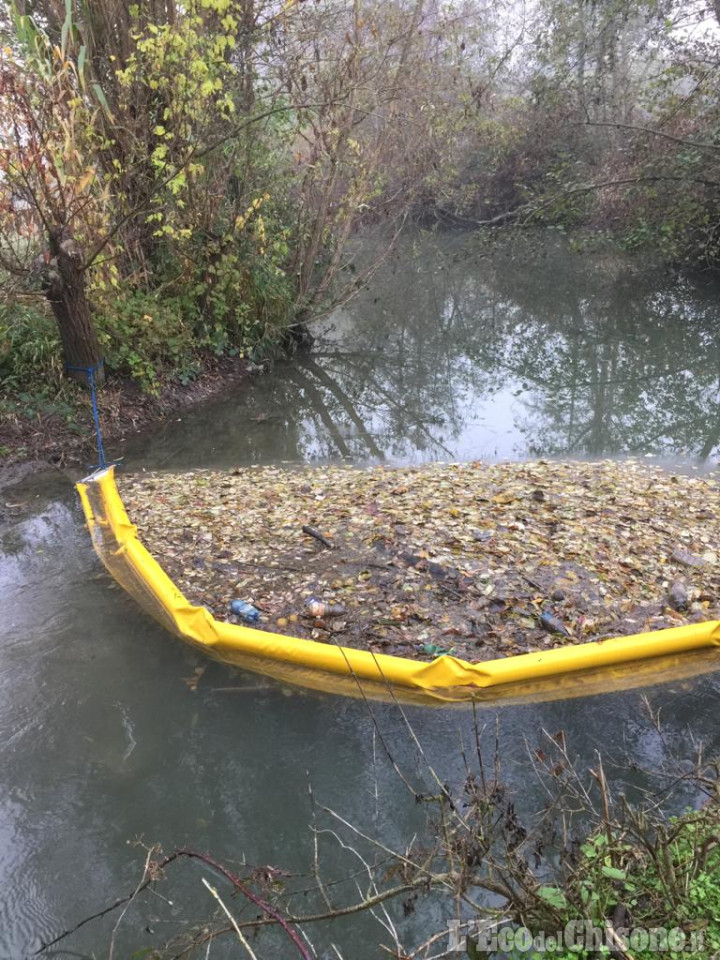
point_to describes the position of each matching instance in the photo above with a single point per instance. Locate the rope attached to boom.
(90, 372)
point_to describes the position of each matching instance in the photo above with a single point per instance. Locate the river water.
(113, 733)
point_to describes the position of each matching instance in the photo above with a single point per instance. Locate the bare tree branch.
(650, 130)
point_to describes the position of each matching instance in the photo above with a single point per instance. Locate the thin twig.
(316, 851)
(132, 897)
(231, 918)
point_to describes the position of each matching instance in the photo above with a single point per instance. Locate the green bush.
(244, 296)
(667, 878)
(146, 335)
(230, 300)
(29, 348)
(32, 382)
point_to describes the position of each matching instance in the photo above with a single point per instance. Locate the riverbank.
(49, 439)
(474, 559)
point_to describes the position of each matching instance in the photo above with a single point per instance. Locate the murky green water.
(103, 739)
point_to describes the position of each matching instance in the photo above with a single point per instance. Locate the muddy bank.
(481, 560)
(124, 411)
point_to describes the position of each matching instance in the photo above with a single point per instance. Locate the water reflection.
(529, 351)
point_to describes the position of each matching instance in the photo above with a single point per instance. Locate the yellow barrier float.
(618, 663)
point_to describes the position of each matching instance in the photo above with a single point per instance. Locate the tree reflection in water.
(450, 354)
(455, 353)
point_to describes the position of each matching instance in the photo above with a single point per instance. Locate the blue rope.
(90, 371)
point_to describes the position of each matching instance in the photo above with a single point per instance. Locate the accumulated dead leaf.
(462, 558)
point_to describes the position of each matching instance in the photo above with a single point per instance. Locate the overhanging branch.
(652, 132)
(194, 155)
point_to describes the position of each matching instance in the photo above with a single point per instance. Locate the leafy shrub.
(29, 348)
(146, 335)
(667, 878)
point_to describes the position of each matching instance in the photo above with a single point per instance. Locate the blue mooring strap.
(90, 371)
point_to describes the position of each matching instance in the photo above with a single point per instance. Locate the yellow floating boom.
(566, 671)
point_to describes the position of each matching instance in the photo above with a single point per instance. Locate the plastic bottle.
(246, 611)
(318, 608)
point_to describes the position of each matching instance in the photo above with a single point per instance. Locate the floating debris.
(552, 624)
(317, 608)
(686, 558)
(678, 596)
(463, 557)
(246, 611)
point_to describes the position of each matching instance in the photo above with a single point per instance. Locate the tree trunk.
(63, 282)
(247, 27)
(581, 58)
